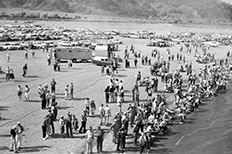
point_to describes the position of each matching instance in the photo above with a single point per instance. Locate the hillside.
(179, 11)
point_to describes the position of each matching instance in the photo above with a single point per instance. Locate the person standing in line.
(107, 94)
(13, 146)
(83, 123)
(71, 90)
(62, 124)
(102, 113)
(45, 128)
(53, 86)
(8, 57)
(68, 122)
(20, 93)
(26, 93)
(66, 92)
(20, 130)
(135, 62)
(100, 135)
(107, 114)
(89, 140)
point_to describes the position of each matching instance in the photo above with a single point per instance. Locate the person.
(8, 57)
(20, 93)
(71, 90)
(7, 74)
(100, 135)
(24, 70)
(101, 113)
(135, 62)
(87, 105)
(19, 132)
(45, 128)
(66, 92)
(107, 94)
(62, 123)
(142, 142)
(26, 93)
(53, 86)
(33, 54)
(89, 140)
(68, 122)
(83, 122)
(43, 99)
(107, 114)
(93, 107)
(26, 54)
(75, 123)
(13, 146)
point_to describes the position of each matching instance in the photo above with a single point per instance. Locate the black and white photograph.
(116, 76)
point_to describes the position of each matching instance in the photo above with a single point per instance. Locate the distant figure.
(71, 90)
(19, 135)
(33, 54)
(100, 135)
(19, 93)
(26, 54)
(53, 86)
(89, 140)
(8, 57)
(26, 93)
(24, 70)
(13, 146)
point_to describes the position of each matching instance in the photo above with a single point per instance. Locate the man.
(102, 113)
(89, 140)
(19, 132)
(69, 125)
(8, 74)
(83, 122)
(13, 146)
(107, 114)
(99, 135)
(53, 86)
(71, 90)
(107, 94)
(24, 70)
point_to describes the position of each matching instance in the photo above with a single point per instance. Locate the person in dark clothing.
(53, 86)
(13, 146)
(99, 135)
(43, 99)
(135, 62)
(123, 137)
(68, 123)
(83, 123)
(107, 94)
(24, 70)
(45, 126)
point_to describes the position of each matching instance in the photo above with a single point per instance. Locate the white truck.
(72, 53)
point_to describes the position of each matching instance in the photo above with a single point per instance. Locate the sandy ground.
(88, 82)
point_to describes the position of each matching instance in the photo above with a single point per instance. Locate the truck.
(73, 53)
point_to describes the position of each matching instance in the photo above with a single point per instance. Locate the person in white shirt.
(89, 140)
(107, 114)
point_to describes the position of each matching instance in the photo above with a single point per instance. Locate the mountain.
(196, 11)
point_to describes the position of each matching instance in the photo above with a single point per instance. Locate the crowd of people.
(147, 119)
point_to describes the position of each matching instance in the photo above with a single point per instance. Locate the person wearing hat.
(19, 131)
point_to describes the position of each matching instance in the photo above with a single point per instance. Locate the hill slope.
(168, 10)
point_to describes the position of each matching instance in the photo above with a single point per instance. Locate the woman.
(19, 93)
(26, 93)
